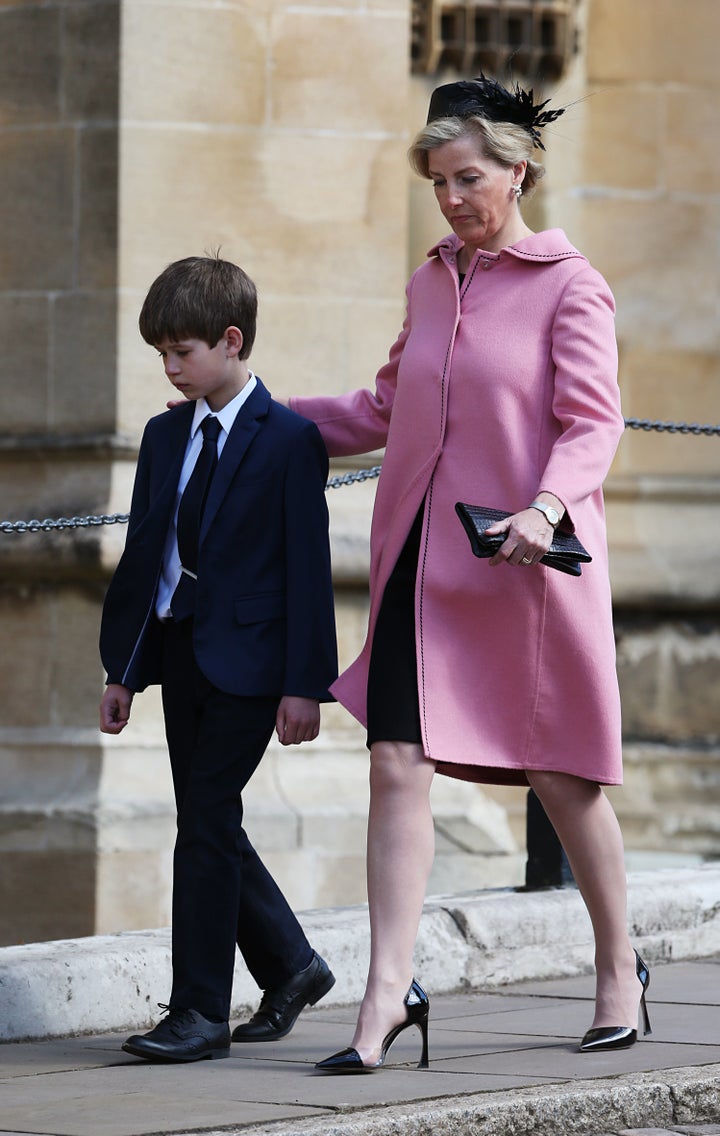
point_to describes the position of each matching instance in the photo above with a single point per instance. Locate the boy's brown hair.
(199, 298)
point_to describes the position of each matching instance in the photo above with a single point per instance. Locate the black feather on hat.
(489, 99)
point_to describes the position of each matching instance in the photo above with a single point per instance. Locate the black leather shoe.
(417, 1011)
(280, 1008)
(184, 1035)
(604, 1038)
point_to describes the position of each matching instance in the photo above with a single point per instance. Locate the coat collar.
(548, 245)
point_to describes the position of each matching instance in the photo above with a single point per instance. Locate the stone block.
(470, 820)
(668, 386)
(668, 803)
(142, 389)
(458, 871)
(24, 363)
(72, 644)
(52, 678)
(513, 800)
(486, 939)
(350, 519)
(104, 809)
(661, 267)
(498, 956)
(228, 194)
(622, 151)
(323, 343)
(310, 878)
(311, 87)
(36, 208)
(98, 211)
(371, 334)
(38, 483)
(653, 41)
(30, 64)
(669, 677)
(149, 900)
(91, 57)
(26, 614)
(692, 712)
(42, 892)
(691, 160)
(229, 67)
(83, 372)
(649, 563)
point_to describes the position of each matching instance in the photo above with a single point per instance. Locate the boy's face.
(197, 370)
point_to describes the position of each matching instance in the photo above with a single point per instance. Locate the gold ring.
(526, 561)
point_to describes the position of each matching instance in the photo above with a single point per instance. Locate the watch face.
(552, 515)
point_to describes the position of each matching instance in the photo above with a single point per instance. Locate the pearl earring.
(517, 190)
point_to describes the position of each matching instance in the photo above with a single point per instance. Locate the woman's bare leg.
(400, 850)
(589, 831)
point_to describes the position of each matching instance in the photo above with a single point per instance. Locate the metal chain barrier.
(64, 523)
(337, 482)
(670, 427)
(351, 478)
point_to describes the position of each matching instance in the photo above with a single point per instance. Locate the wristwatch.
(552, 514)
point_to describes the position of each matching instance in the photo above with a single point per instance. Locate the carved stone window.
(534, 38)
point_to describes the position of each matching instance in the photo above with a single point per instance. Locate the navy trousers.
(223, 895)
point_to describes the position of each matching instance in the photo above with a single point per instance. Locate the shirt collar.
(228, 414)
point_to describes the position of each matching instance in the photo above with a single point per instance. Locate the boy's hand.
(115, 708)
(297, 720)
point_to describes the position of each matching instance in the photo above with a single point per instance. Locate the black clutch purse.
(565, 553)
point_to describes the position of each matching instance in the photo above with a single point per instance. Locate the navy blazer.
(264, 621)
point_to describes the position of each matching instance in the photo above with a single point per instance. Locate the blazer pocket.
(260, 609)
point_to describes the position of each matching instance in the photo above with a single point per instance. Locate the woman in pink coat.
(500, 391)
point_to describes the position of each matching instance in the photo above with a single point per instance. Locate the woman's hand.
(529, 536)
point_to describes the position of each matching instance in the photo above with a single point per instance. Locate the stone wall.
(648, 206)
(132, 134)
(136, 132)
(633, 176)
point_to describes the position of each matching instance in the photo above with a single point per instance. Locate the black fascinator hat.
(489, 99)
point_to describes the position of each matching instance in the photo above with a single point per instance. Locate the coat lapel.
(174, 443)
(246, 425)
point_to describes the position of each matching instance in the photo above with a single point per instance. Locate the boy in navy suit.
(223, 595)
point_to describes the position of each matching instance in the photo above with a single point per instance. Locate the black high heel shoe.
(417, 1006)
(620, 1037)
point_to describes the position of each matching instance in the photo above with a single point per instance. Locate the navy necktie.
(190, 511)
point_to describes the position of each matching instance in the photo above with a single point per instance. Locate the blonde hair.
(501, 142)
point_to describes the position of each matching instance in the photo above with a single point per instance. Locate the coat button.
(485, 264)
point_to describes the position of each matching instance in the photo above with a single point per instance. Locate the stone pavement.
(508, 975)
(502, 1063)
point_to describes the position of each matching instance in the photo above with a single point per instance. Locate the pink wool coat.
(495, 391)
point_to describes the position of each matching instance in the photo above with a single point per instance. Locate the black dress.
(393, 708)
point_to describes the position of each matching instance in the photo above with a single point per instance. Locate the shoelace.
(175, 1017)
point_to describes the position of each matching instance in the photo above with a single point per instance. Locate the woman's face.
(475, 194)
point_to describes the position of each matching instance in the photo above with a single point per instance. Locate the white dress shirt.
(170, 571)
